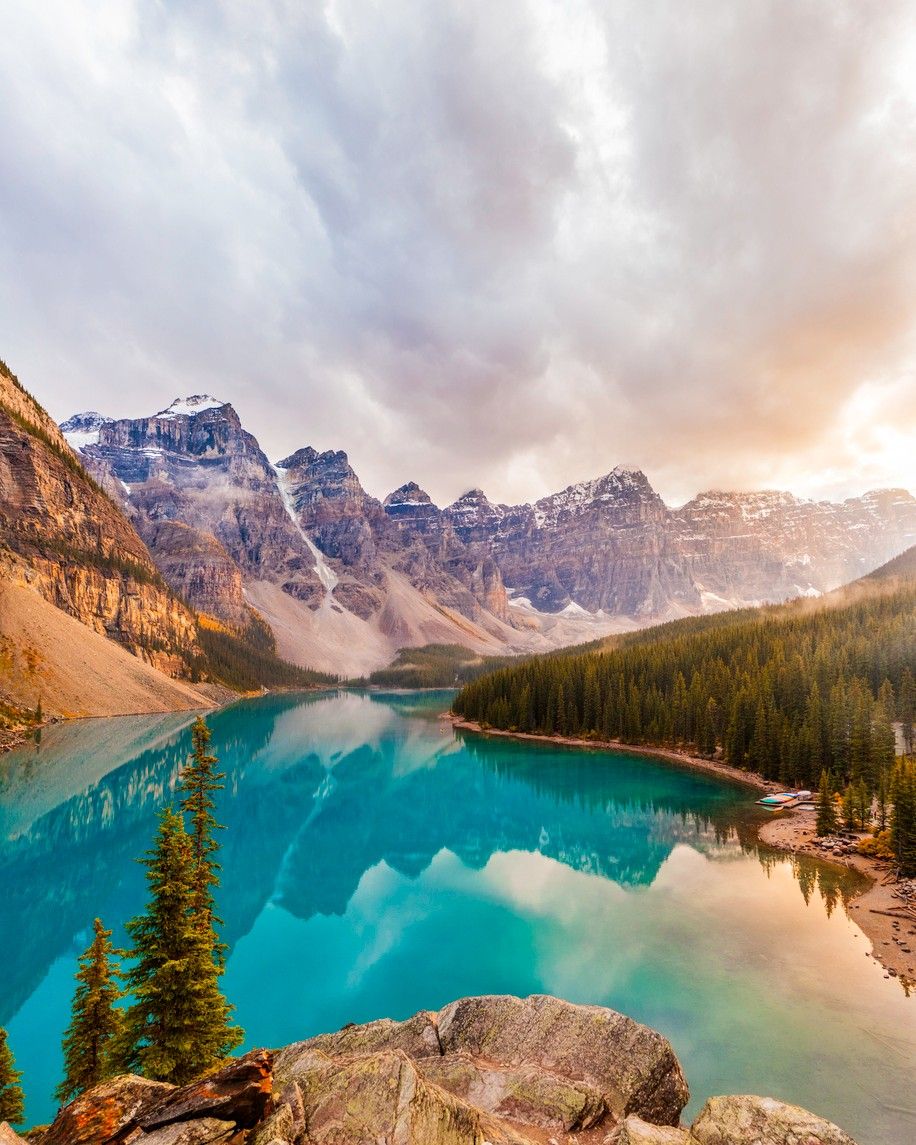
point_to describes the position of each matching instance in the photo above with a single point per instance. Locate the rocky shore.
(889, 926)
(494, 1070)
(883, 916)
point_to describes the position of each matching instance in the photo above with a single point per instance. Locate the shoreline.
(693, 762)
(221, 698)
(879, 915)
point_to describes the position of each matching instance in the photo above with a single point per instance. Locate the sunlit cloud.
(500, 245)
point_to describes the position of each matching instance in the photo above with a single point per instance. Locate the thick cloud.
(505, 244)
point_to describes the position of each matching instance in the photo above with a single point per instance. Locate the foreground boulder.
(103, 1112)
(536, 1062)
(495, 1069)
(750, 1120)
(133, 1110)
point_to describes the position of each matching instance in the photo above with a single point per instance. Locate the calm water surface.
(375, 864)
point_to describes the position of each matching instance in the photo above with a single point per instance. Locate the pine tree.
(179, 1023)
(826, 808)
(95, 1021)
(12, 1099)
(906, 704)
(199, 780)
(903, 817)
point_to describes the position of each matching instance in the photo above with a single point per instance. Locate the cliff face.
(62, 536)
(613, 545)
(771, 545)
(509, 1071)
(198, 567)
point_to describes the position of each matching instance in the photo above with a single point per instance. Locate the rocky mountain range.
(345, 579)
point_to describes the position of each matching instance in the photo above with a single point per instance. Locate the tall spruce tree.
(179, 1024)
(826, 823)
(903, 817)
(95, 1023)
(906, 703)
(200, 779)
(12, 1099)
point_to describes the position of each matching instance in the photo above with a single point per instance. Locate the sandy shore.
(881, 917)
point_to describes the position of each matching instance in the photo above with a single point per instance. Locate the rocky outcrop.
(132, 1110)
(742, 1120)
(198, 568)
(750, 1120)
(497, 1069)
(494, 1065)
(63, 537)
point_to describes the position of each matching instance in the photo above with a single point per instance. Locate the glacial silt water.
(376, 863)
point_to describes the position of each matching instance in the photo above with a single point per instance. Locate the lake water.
(376, 863)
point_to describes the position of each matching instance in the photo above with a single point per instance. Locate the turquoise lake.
(377, 863)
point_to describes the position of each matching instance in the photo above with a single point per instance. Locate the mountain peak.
(408, 494)
(82, 429)
(304, 456)
(191, 406)
(473, 496)
(331, 458)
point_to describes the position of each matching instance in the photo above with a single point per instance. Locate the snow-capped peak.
(82, 429)
(188, 407)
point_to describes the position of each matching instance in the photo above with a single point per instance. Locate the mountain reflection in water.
(375, 862)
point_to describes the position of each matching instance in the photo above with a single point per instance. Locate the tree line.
(790, 692)
(164, 1016)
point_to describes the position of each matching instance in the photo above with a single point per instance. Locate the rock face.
(63, 537)
(198, 568)
(497, 1069)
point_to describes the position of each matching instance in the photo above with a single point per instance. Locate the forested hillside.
(787, 691)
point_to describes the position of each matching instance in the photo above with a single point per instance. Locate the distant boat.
(780, 799)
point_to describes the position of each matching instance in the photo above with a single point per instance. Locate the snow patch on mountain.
(191, 406)
(83, 429)
(326, 574)
(625, 483)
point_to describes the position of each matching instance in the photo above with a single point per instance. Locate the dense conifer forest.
(811, 695)
(788, 691)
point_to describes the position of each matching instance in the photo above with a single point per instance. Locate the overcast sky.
(499, 243)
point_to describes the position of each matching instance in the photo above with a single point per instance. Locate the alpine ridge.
(345, 579)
